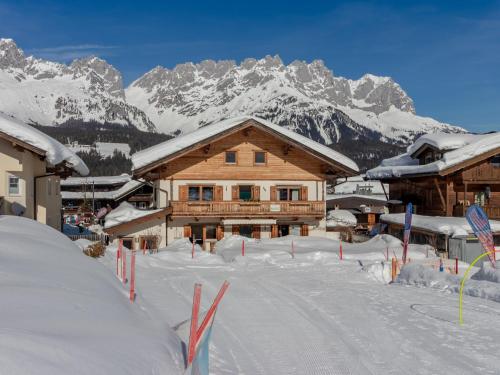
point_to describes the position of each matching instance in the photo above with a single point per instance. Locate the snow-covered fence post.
(243, 248)
(124, 266)
(456, 265)
(393, 269)
(340, 250)
(132, 277)
(118, 255)
(293, 250)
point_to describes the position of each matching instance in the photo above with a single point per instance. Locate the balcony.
(493, 212)
(248, 209)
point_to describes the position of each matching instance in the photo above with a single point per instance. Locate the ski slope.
(316, 314)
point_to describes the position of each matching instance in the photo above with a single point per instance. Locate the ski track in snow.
(299, 317)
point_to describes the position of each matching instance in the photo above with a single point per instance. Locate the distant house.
(31, 165)
(105, 149)
(443, 174)
(242, 176)
(366, 200)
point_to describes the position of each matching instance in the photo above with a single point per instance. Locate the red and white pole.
(243, 248)
(341, 256)
(124, 266)
(144, 247)
(118, 255)
(132, 277)
(193, 332)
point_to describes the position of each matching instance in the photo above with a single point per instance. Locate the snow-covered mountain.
(48, 93)
(307, 98)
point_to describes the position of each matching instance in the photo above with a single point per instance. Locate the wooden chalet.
(242, 176)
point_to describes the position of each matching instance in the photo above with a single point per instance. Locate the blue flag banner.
(407, 230)
(478, 221)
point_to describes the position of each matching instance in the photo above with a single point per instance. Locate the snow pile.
(444, 141)
(56, 153)
(451, 226)
(162, 150)
(487, 273)
(340, 218)
(124, 213)
(65, 313)
(83, 243)
(470, 146)
(421, 275)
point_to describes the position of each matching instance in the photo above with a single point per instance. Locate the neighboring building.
(443, 174)
(366, 200)
(31, 165)
(105, 149)
(340, 224)
(93, 193)
(241, 176)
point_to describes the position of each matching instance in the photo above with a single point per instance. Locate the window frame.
(255, 156)
(18, 194)
(289, 193)
(235, 152)
(200, 193)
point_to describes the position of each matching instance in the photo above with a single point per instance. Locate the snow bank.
(56, 153)
(487, 273)
(124, 213)
(162, 150)
(340, 218)
(65, 313)
(469, 146)
(452, 226)
(418, 274)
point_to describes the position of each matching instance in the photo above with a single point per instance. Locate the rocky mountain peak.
(10, 55)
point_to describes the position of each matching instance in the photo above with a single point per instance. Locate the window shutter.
(256, 193)
(183, 193)
(235, 192)
(236, 229)
(187, 230)
(304, 230)
(256, 231)
(303, 193)
(220, 232)
(219, 193)
(274, 231)
(274, 196)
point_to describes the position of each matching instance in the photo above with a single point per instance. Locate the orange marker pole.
(118, 255)
(132, 277)
(394, 269)
(193, 332)
(341, 256)
(243, 248)
(192, 249)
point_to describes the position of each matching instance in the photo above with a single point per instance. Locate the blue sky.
(445, 54)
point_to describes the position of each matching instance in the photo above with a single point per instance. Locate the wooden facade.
(453, 190)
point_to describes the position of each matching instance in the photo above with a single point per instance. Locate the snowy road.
(316, 315)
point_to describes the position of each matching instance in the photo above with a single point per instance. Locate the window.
(288, 194)
(246, 231)
(495, 161)
(245, 192)
(230, 157)
(194, 193)
(205, 193)
(211, 231)
(14, 188)
(208, 193)
(142, 205)
(260, 157)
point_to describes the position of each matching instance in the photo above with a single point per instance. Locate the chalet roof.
(34, 140)
(127, 188)
(126, 214)
(97, 180)
(151, 157)
(464, 151)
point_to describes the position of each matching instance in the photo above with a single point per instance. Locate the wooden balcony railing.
(244, 209)
(493, 212)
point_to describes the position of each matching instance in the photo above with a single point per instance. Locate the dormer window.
(231, 157)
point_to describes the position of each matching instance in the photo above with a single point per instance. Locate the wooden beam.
(443, 202)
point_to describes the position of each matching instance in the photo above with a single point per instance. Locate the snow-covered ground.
(315, 314)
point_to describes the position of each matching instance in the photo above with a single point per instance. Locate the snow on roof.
(340, 218)
(356, 183)
(111, 195)
(56, 153)
(124, 213)
(376, 197)
(444, 141)
(472, 146)
(97, 180)
(165, 149)
(452, 226)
